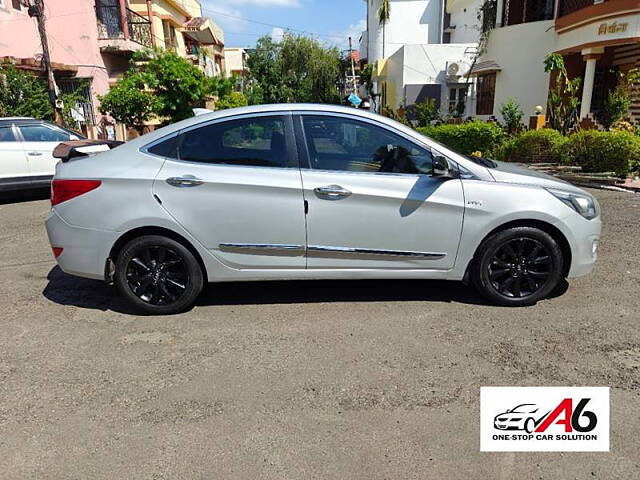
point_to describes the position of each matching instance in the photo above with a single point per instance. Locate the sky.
(331, 21)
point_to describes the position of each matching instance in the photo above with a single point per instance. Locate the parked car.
(283, 192)
(26, 147)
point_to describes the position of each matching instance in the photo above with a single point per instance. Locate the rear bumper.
(84, 250)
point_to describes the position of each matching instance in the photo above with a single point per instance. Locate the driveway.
(345, 380)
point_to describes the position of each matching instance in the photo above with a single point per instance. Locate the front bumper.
(584, 238)
(84, 250)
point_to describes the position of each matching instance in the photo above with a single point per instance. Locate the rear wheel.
(518, 266)
(158, 275)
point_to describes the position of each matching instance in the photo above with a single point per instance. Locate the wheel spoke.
(516, 287)
(142, 286)
(500, 263)
(175, 284)
(499, 273)
(165, 291)
(139, 263)
(507, 284)
(533, 286)
(542, 259)
(540, 275)
(162, 253)
(534, 252)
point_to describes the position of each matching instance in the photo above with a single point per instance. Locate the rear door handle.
(332, 192)
(34, 154)
(184, 181)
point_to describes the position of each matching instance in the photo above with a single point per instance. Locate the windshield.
(524, 409)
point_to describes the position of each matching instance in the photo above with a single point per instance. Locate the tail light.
(63, 190)
(57, 251)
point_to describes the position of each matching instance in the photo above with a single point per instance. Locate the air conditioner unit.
(453, 71)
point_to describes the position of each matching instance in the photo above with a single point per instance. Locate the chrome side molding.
(263, 249)
(323, 251)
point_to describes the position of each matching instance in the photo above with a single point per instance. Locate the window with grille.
(486, 87)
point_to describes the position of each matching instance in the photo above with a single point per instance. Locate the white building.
(597, 39)
(235, 62)
(423, 51)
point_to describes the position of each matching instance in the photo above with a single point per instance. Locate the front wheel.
(518, 266)
(158, 275)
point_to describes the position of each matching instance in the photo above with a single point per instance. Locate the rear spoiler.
(65, 151)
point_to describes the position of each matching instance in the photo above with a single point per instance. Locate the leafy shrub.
(512, 115)
(425, 112)
(231, 100)
(596, 151)
(533, 146)
(467, 137)
(23, 94)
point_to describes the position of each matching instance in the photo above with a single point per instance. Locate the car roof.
(20, 120)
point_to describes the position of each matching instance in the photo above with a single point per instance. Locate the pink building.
(73, 36)
(94, 40)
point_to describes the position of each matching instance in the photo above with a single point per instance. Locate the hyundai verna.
(292, 192)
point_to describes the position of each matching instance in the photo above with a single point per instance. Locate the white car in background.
(26, 152)
(282, 192)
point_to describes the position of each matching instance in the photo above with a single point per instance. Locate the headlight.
(585, 205)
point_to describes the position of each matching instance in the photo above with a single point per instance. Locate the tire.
(158, 275)
(518, 266)
(529, 425)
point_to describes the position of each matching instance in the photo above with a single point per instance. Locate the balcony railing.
(569, 6)
(110, 24)
(139, 28)
(526, 11)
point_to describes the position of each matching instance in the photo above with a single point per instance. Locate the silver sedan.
(284, 192)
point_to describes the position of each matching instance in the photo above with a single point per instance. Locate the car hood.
(511, 173)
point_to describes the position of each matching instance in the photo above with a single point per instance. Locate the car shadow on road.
(66, 289)
(7, 198)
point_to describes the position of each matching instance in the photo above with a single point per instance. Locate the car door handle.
(332, 192)
(34, 154)
(184, 181)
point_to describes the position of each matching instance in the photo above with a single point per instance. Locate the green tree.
(619, 99)
(129, 102)
(231, 100)
(159, 84)
(23, 94)
(563, 100)
(512, 115)
(384, 14)
(425, 112)
(297, 69)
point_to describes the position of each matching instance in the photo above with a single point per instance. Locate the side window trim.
(304, 147)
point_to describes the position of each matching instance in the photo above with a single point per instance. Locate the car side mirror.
(440, 167)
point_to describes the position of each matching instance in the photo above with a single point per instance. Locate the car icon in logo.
(522, 417)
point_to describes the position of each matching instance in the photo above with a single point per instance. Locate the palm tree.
(384, 13)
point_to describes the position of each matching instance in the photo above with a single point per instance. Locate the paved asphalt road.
(321, 380)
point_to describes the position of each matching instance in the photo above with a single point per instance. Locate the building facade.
(598, 39)
(424, 50)
(235, 61)
(91, 42)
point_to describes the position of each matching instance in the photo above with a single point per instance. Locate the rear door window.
(6, 134)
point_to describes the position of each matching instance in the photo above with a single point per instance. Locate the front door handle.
(34, 154)
(332, 192)
(184, 181)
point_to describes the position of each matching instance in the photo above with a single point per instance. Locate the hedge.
(467, 137)
(597, 151)
(533, 146)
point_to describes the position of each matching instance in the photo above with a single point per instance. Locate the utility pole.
(36, 9)
(353, 69)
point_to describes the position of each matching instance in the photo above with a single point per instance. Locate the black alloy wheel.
(517, 266)
(158, 275)
(520, 267)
